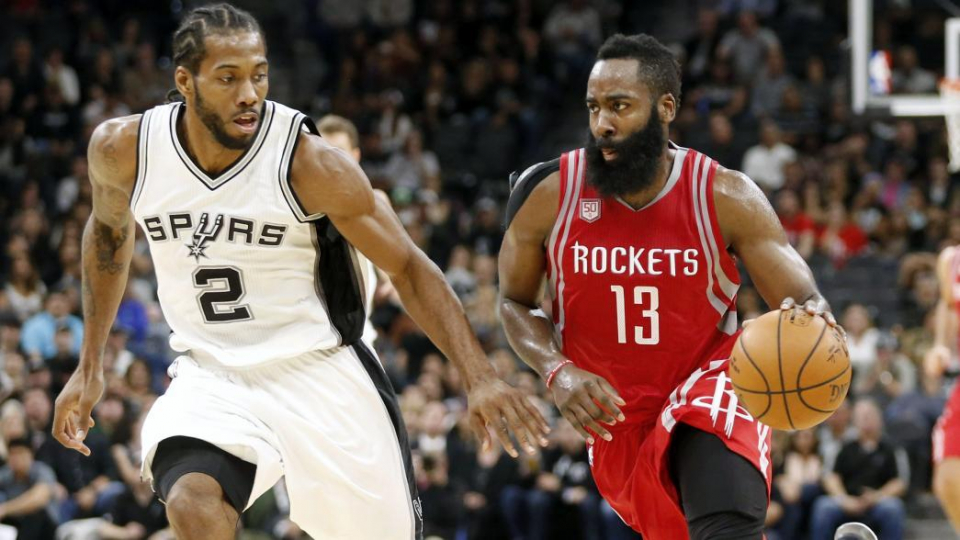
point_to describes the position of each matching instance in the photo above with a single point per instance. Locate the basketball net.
(950, 95)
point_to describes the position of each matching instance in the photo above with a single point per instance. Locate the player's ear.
(184, 81)
(667, 107)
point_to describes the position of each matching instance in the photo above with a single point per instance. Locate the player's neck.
(641, 198)
(197, 140)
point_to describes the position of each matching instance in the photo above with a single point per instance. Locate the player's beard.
(636, 164)
(217, 127)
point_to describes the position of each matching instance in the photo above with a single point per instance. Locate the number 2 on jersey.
(222, 289)
(645, 297)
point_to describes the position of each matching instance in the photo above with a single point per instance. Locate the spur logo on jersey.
(631, 260)
(200, 233)
(590, 210)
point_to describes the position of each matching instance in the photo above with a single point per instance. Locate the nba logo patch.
(590, 210)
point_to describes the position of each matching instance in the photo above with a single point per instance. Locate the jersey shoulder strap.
(523, 184)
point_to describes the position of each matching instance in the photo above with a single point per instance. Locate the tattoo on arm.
(108, 241)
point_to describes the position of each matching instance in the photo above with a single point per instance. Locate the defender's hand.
(496, 404)
(72, 415)
(587, 401)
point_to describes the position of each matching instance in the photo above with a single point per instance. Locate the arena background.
(449, 97)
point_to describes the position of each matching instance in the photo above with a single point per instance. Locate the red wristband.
(554, 371)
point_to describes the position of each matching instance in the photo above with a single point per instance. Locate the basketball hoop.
(950, 96)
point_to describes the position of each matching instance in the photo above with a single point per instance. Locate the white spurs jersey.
(244, 274)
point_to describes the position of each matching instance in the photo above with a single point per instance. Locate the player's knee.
(727, 526)
(197, 498)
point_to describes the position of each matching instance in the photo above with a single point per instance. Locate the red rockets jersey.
(955, 278)
(642, 297)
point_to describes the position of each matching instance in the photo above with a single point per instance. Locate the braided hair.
(197, 24)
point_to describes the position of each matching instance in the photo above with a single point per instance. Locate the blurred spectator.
(562, 497)
(139, 383)
(27, 489)
(764, 162)
(136, 514)
(799, 485)
(486, 478)
(908, 77)
(747, 45)
(573, 31)
(816, 85)
(892, 375)
(132, 316)
(723, 145)
(25, 74)
(770, 84)
(64, 361)
(414, 167)
(800, 229)
(834, 433)
(442, 506)
(796, 119)
(841, 238)
(145, 84)
(866, 482)
(458, 273)
(24, 289)
(68, 189)
(701, 49)
(10, 326)
(61, 75)
(941, 190)
(862, 339)
(40, 330)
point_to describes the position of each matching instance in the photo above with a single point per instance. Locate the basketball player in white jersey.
(254, 224)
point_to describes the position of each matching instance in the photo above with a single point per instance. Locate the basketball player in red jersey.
(946, 434)
(637, 238)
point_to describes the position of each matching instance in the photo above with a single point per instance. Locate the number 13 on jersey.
(648, 301)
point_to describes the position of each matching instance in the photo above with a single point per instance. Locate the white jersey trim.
(237, 167)
(283, 174)
(575, 169)
(143, 141)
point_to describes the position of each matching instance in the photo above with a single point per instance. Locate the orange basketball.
(790, 369)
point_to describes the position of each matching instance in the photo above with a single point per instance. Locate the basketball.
(790, 369)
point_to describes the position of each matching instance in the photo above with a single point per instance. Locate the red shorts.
(632, 471)
(946, 434)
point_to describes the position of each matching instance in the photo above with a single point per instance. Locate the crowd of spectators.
(449, 97)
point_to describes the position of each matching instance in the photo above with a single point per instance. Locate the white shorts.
(328, 421)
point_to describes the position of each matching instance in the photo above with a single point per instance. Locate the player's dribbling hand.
(496, 404)
(810, 306)
(814, 308)
(72, 415)
(587, 401)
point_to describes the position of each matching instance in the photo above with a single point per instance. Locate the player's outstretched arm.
(106, 252)
(327, 181)
(586, 400)
(938, 356)
(751, 228)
